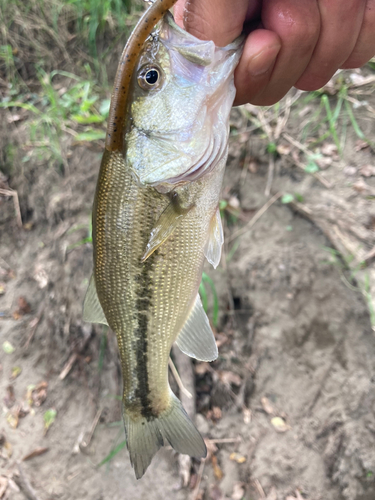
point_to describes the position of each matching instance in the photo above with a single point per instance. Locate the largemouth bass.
(156, 219)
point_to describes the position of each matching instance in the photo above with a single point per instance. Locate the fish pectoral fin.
(92, 310)
(215, 240)
(196, 338)
(166, 224)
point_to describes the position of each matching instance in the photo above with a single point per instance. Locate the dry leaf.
(13, 119)
(237, 457)
(221, 339)
(40, 276)
(324, 162)
(246, 415)
(253, 167)
(202, 368)
(297, 497)
(267, 407)
(238, 491)
(3, 485)
(216, 413)
(16, 372)
(36, 395)
(229, 378)
(35, 453)
(272, 495)
(10, 397)
(349, 170)
(359, 145)
(215, 493)
(283, 149)
(217, 470)
(12, 419)
(367, 170)
(362, 187)
(23, 306)
(329, 149)
(211, 447)
(8, 448)
(234, 202)
(279, 424)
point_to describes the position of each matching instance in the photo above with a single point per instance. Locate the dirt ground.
(289, 406)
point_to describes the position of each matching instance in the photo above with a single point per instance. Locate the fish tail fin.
(145, 437)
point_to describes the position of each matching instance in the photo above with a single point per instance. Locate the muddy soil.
(291, 400)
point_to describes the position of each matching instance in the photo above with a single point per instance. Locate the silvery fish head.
(180, 102)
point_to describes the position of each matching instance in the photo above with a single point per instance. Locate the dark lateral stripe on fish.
(143, 305)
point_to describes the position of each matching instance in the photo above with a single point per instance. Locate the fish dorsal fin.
(166, 224)
(196, 338)
(215, 241)
(92, 310)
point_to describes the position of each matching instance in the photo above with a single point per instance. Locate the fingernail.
(263, 61)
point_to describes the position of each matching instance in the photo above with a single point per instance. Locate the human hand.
(298, 43)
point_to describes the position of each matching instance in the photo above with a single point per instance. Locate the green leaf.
(104, 107)
(311, 168)
(272, 148)
(90, 135)
(49, 417)
(8, 348)
(87, 119)
(287, 198)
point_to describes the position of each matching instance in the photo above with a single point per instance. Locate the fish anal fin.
(215, 240)
(92, 310)
(166, 224)
(196, 338)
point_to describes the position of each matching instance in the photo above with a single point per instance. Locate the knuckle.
(298, 25)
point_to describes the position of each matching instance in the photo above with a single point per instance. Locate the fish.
(156, 219)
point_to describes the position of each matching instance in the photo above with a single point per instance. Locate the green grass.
(207, 281)
(65, 106)
(114, 451)
(94, 15)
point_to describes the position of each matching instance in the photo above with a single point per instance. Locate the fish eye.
(149, 77)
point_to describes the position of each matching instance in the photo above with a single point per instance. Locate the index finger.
(215, 20)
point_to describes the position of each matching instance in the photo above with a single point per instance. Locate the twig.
(256, 217)
(259, 488)
(73, 358)
(14, 194)
(34, 325)
(195, 492)
(369, 256)
(271, 170)
(187, 395)
(283, 119)
(178, 380)
(365, 81)
(68, 366)
(25, 486)
(85, 442)
(225, 440)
